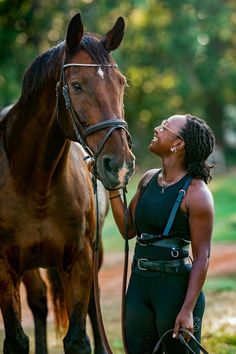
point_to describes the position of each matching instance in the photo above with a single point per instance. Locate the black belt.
(146, 239)
(175, 266)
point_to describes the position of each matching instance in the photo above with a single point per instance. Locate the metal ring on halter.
(174, 253)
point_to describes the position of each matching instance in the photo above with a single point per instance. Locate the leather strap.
(179, 198)
(182, 331)
(173, 266)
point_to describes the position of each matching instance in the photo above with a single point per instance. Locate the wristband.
(116, 196)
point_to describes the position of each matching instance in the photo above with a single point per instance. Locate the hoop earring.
(173, 149)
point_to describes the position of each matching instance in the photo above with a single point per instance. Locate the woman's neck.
(171, 170)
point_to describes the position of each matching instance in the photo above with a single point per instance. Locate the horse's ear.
(74, 33)
(114, 37)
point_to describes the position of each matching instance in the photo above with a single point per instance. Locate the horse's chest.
(35, 244)
(33, 237)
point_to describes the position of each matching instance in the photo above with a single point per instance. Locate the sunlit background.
(179, 57)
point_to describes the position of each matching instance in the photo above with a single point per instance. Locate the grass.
(220, 284)
(219, 326)
(224, 192)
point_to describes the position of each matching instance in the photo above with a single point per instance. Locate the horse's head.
(92, 111)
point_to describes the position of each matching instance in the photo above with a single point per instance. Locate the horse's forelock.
(93, 45)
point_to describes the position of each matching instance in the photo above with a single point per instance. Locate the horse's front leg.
(16, 340)
(37, 300)
(77, 285)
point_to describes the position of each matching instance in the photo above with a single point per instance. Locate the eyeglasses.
(163, 126)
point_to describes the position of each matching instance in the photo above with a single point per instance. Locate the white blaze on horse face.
(122, 173)
(101, 72)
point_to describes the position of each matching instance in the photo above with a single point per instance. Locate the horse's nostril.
(109, 164)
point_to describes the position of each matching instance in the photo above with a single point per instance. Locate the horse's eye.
(77, 87)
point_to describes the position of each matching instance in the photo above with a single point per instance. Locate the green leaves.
(178, 56)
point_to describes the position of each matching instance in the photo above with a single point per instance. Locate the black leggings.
(153, 302)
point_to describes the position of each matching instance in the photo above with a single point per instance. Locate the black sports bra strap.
(179, 198)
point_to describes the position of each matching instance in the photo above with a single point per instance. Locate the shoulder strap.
(179, 198)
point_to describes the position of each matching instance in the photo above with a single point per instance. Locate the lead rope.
(125, 270)
(95, 274)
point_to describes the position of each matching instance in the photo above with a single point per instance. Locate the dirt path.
(223, 261)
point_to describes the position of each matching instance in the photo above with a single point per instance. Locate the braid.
(199, 143)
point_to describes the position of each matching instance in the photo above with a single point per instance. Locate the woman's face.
(166, 135)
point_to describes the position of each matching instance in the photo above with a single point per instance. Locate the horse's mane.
(47, 66)
(44, 67)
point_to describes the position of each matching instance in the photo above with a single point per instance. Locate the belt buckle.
(140, 242)
(138, 263)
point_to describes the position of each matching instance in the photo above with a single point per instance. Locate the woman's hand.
(183, 320)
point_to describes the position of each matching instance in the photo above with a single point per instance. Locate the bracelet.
(116, 196)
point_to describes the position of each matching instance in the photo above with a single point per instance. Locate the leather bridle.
(80, 131)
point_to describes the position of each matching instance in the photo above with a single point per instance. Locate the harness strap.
(174, 210)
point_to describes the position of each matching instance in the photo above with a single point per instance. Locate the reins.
(125, 271)
(182, 332)
(96, 249)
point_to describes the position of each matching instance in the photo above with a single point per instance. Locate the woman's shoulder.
(199, 194)
(199, 186)
(147, 176)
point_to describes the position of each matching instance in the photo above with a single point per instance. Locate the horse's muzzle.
(114, 174)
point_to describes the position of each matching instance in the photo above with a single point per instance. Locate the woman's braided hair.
(199, 144)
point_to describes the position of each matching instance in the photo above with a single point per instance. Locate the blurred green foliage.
(178, 56)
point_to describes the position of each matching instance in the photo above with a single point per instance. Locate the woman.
(165, 287)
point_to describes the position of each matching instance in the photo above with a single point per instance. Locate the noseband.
(81, 132)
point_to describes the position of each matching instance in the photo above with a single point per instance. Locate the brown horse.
(47, 216)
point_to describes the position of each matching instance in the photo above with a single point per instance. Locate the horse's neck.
(35, 145)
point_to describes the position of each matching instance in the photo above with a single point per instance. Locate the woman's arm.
(117, 205)
(199, 203)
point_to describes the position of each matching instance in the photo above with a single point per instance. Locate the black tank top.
(153, 209)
